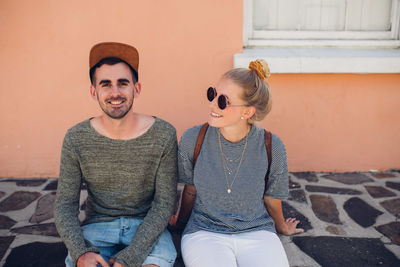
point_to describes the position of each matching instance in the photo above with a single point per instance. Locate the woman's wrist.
(281, 228)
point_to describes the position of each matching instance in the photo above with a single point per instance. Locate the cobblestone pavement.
(350, 219)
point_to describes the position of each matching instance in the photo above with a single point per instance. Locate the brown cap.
(127, 53)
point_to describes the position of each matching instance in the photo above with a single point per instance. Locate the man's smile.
(116, 102)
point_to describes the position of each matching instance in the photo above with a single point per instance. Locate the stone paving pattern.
(350, 219)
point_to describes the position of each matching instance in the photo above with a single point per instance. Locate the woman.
(233, 215)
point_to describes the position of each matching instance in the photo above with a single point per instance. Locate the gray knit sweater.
(125, 178)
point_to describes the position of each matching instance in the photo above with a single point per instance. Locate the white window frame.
(374, 39)
(302, 52)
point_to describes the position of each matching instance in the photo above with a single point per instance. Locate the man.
(128, 162)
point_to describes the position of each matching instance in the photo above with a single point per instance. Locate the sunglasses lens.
(211, 94)
(222, 102)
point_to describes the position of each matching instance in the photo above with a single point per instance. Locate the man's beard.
(116, 113)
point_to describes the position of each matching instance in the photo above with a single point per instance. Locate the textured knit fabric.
(242, 210)
(125, 178)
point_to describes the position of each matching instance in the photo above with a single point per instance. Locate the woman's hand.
(172, 221)
(286, 227)
(178, 221)
(173, 225)
(289, 227)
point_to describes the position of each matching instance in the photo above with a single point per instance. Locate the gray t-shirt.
(125, 178)
(243, 209)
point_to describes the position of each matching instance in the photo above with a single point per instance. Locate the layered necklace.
(225, 160)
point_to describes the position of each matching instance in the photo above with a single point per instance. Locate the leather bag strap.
(199, 142)
(268, 145)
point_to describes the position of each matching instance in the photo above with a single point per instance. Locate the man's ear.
(93, 92)
(138, 89)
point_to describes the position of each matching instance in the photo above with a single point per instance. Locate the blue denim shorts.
(111, 237)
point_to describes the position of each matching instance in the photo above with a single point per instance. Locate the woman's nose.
(214, 102)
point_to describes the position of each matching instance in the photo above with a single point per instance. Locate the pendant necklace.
(225, 165)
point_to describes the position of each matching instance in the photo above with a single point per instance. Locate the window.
(371, 23)
(322, 36)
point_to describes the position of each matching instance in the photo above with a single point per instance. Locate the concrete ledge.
(323, 60)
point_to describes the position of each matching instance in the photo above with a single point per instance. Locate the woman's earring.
(242, 118)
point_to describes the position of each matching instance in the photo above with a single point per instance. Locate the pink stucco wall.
(328, 122)
(338, 122)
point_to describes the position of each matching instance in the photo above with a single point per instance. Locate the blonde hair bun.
(255, 87)
(260, 66)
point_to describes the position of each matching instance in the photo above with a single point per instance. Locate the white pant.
(252, 249)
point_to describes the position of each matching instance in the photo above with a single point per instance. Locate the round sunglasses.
(222, 99)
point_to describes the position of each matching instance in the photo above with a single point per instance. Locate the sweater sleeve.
(66, 209)
(156, 220)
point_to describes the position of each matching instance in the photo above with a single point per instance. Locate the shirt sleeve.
(157, 218)
(278, 181)
(185, 155)
(66, 209)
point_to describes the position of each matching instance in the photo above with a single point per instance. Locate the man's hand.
(91, 259)
(115, 263)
